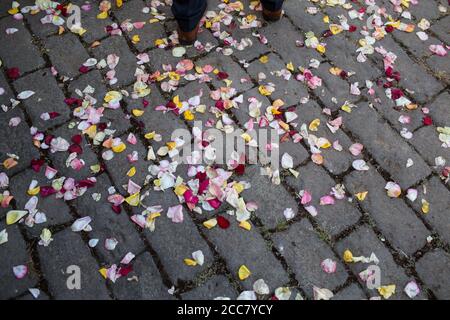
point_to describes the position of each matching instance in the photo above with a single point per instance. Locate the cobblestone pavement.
(399, 119)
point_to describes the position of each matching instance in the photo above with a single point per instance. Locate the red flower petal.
(389, 29)
(36, 164)
(47, 191)
(222, 75)
(240, 169)
(77, 139)
(13, 73)
(123, 271)
(220, 105)
(84, 69)
(352, 28)
(427, 121)
(116, 209)
(222, 222)
(75, 148)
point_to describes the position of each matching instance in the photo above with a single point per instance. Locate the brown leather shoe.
(187, 38)
(271, 15)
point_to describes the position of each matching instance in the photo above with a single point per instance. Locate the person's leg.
(272, 9)
(188, 14)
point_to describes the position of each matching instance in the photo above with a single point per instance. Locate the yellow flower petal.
(320, 48)
(346, 108)
(13, 11)
(15, 215)
(102, 15)
(239, 187)
(137, 112)
(180, 189)
(348, 256)
(211, 223)
(171, 145)
(119, 3)
(134, 199)
(103, 272)
(245, 225)
(425, 206)
(387, 291)
(135, 39)
(131, 172)
(190, 262)
(188, 115)
(244, 272)
(290, 66)
(150, 135)
(9, 163)
(119, 148)
(361, 195)
(314, 125)
(264, 59)
(34, 191)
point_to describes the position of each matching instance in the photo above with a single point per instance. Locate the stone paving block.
(37, 27)
(334, 91)
(296, 10)
(18, 142)
(68, 249)
(282, 37)
(95, 27)
(413, 78)
(437, 196)
(303, 250)
(386, 146)
(364, 242)
(240, 247)
(226, 64)
(440, 67)
(149, 285)
(433, 270)
(242, 113)
(440, 28)
(333, 218)
(427, 9)
(160, 57)
(217, 286)
(59, 159)
(336, 162)
(416, 46)
(271, 201)
(397, 222)
(7, 93)
(18, 50)
(254, 51)
(352, 292)
(15, 252)
(290, 91)
(338, 44)
(66, 53)
(132, 10)
(116, 118)
(108, 224)
(387, 109)
(48, 97)
(56, 211)
(126, 67)
(191, 89)
(296, 150)
(439, 110)
(119, 165)
(174, 242)
(427, 143)
(153, 120)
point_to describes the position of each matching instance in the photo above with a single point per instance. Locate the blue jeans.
(189, 12)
